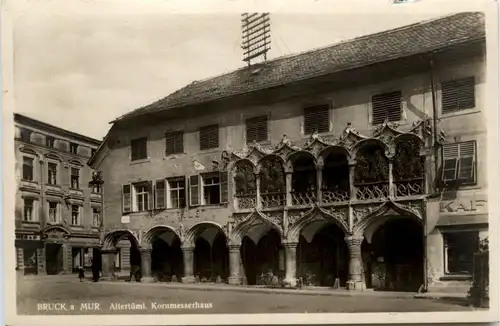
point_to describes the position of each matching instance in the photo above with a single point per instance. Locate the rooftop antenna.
(256, 36)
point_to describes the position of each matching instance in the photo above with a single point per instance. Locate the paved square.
(137, 298)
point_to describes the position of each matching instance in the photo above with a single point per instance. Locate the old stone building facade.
(57, 216)
(359, 165)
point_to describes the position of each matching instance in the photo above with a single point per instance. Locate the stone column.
(392, 190)
(319, 183)
(108, 264)
(290, 264)
(188, 255)
(356, 280)
(146, 265)
(257, 191)
(234, 265)
(288, 187)
(352, 188)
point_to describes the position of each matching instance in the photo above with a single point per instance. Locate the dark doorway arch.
(323, 259)
(397, 255)
(211, 255)
(166, 258)
(263, 260)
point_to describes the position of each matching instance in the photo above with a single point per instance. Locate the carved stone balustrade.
(370, 191)
(246, 201)
(305, 198)
(409, 188)
(271, 200)
(336, 196)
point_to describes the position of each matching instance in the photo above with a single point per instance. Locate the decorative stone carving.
(295, 215)
(360, 212)
(341, 214)
(275, 217)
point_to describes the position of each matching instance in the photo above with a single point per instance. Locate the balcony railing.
(334, 196)
(375, 190)
(409, 187)
(270, 200)
(246, 201)
(304, 198)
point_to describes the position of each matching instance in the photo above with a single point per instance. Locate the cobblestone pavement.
(137, 298)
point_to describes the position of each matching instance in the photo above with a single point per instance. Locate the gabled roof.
(422, 37)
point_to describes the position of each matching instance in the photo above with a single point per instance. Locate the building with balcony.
(57, 215)
(358, 165)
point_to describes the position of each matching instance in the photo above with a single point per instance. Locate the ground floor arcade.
(389, 256)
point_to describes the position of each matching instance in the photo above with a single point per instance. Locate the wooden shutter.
(386, 106)
(126, 198)
(150, 186)
(209, 137)
(450, 162)
(224, 190)
(458, 95)
(316, 119)
(256, 129)
(174, 143)
(160, 194)
(467, 158)
(194, 190)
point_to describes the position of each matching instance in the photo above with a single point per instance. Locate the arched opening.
(304, 180)
(245, 185)
(397, 255)
(335, 183)
(408, 168)
(262, 260)
(371, 177)
(211, 255)
(127, 259)
(166, 257)
(272, 182)
(323, 256)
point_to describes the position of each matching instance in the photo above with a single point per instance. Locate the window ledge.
(173, 156)
(31, 222)
(212, 206)
(140, 161)
(456, 277)
(209, 150)
(76, 226)
(459, 113)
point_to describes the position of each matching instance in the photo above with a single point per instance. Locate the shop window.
(459, 251)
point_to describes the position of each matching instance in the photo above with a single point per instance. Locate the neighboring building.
(57, 216)
(205, 185)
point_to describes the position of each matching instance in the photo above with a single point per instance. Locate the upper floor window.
(75, 178)
(174, 143)
(208, 189)
(73, 148)
(52, 173)
(458, 95)
(386, 106)
(176, 196)
(53, 212)
(29, 210)
(316, 119)
(137, 197)
(139, 148)
(459, 162)
(26, 134)
(209, 137)
(75, 215)
(28, 168)
(50, 141)
(256, 129)
(96, 217)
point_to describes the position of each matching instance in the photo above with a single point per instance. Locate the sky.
(79, 64)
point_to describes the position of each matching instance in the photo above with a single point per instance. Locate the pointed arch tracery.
(245, 184)
(255, 221)
(408, 166)
(371, 177)
(272, 181)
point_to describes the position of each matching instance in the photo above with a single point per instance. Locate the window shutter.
(450, 162)
(386, 106)
(150, 204)
(209, 137)
(316, 119)
(458, 95)
(126, 198)
(466, 162)
(224, 189)
(160, 194)
(256, 129)
(194, 190)
(174, 143)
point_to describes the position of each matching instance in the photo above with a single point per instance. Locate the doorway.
(54, 258)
